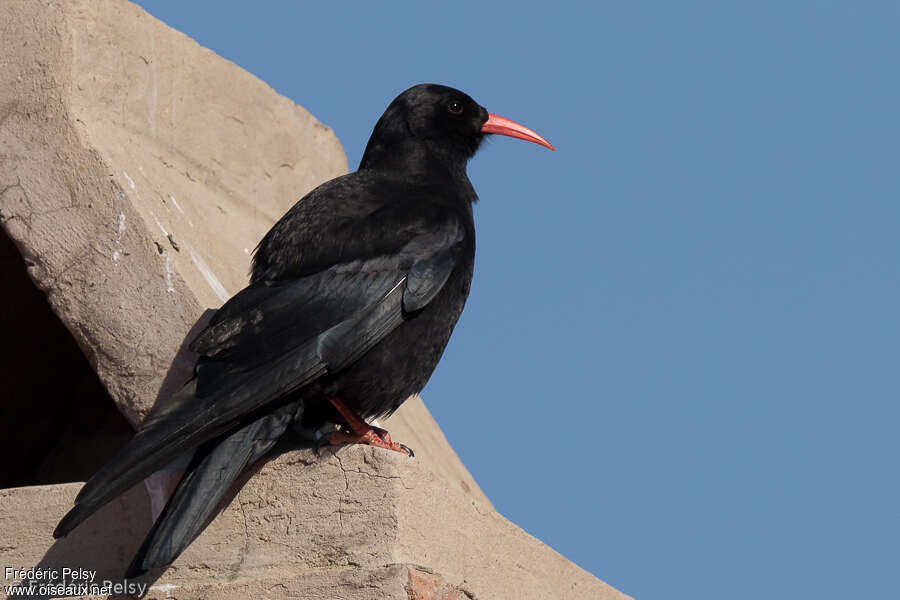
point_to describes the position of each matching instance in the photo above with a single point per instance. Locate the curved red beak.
(503, 126)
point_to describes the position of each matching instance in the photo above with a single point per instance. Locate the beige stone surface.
(414, 426)
(354, 518)
(139, 170)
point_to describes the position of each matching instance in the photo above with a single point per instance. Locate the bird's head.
(431, 119)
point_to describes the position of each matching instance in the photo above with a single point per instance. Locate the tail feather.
(190, 422)
(206, 482)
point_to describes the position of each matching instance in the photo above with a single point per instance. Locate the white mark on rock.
(166, 589)
(246, 251)
(160, 225)
(207, 273)
(120, 229)
(170, 288)
(178, 206)
(129, 179)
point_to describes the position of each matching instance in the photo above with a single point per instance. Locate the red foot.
(363, 433)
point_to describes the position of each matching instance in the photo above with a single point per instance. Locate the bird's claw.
(358, 431)
(373, 437)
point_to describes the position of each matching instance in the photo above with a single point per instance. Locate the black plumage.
(353, 295)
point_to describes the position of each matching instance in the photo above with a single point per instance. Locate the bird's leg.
(362, 433)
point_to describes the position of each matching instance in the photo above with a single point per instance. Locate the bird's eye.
(455, 108)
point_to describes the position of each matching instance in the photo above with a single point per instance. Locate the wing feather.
(270, 341)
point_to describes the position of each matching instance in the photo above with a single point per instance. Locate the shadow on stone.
(56, 417)
(181, 369)
(107, 541)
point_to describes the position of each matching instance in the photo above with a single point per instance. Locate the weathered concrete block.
(138, 172)
(368, 522)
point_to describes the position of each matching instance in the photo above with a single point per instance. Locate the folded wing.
(272, 339)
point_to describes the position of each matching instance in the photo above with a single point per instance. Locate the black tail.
(215, 467)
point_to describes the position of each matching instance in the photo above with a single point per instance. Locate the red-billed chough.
(352, 299)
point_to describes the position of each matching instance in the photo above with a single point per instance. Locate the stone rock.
(139, 170)
(351, 522)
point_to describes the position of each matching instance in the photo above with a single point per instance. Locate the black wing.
(278, 335)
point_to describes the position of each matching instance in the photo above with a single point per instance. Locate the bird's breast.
(401, 364)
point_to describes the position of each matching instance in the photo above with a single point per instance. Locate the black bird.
(352, 299)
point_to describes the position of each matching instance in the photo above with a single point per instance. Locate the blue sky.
(678, 365)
